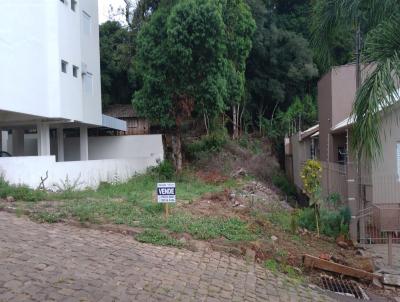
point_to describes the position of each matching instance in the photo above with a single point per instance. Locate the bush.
(280, 181)
(333, 223)
(164, 171)
(21, 192)
(207, 144)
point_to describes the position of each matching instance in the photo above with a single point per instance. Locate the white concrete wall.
(112, 147)
(27, 60)
(34, 37)
(84, 174)
(100, 147)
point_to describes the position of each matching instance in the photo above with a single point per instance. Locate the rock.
(366, 264)
(326, 257)
(389, 279)
(10, 199)
(343, 245)
(238, 173)
(183, 240)
(274, 238)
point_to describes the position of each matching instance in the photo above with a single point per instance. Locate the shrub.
(333, 223)
(280, 181)
(164, 171)
(311, 176)
(21, 192)
(334, 199)
(211, 143)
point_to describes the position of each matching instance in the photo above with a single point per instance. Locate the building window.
(342, 155)
(73, 5)
(88, 84)
(87, 20)
(63, 1)
(64, 66)
(75, 70)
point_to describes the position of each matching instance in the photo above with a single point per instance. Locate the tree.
(239, 30)
(279, 67)
(378, 21)
(116, 52)
(311, 176)
(184, 65)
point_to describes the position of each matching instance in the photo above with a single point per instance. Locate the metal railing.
(375, 223)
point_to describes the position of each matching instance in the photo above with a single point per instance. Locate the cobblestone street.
(41, 262)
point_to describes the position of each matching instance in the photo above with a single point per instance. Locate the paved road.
(62, 263)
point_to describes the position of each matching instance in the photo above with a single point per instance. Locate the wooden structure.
(136, 125)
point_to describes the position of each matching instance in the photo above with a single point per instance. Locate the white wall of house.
(110, 158)
(80, 174)
(100, 147)
(112, 147)
(34, 37)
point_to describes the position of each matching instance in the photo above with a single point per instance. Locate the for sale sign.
(166, 192)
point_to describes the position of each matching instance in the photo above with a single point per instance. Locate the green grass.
(158, 238)
(22, 193)
(273, 266)
(150, 216)
(133, 204)
(48, 217)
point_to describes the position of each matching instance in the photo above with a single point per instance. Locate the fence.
(334, 179)
(377, 222)
(381, 196)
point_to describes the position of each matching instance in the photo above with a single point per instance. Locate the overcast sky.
(104, 6)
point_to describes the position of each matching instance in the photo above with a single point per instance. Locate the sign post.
(166, 194)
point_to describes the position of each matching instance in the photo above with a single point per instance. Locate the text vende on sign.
(166, 192)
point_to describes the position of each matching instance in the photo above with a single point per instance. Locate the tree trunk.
(173, 149)
(235, 115)
(206, 123)
(176, 151)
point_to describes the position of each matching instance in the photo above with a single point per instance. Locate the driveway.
(40, 262)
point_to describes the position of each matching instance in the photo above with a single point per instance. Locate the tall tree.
(239, 29)
(185, 64)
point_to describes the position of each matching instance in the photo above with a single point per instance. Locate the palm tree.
(378, 21)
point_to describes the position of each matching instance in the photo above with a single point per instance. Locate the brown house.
(368, 188)
(136, 125)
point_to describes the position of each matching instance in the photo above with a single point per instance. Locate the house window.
(75, 70)
(73, 5)
(88, 84)
(87, 20)
(342, 155)
(64, 66)
(398, 160)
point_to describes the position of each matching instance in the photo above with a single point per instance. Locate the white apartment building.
(49, 85)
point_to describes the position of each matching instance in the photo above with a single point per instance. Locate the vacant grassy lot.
(134, 204)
